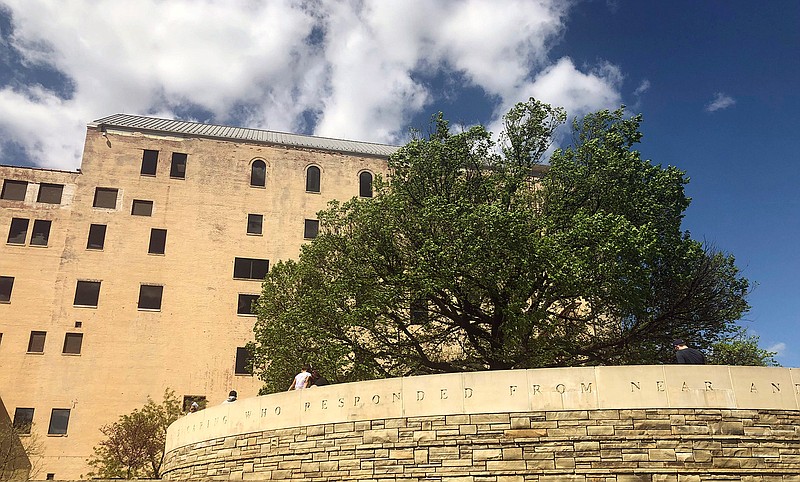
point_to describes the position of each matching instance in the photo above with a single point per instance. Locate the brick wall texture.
(658, 445)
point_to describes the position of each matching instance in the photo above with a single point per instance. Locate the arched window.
(258, 173)
(365, 184)
(312, 179)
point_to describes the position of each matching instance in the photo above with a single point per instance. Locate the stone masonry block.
(381, 436)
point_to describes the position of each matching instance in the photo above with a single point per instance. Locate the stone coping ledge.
(565, 393)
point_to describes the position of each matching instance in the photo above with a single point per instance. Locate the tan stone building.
(136, 273)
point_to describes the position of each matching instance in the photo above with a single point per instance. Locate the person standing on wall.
(302, 379)
(686, 355)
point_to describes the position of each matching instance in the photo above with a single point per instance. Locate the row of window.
(258, 172)
(87, 293)
(40, 234)
(72, 343)
(17, 190)
(258, 178)
(59, 420)
(18, 232)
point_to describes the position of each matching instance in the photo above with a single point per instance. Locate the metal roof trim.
(196, 129)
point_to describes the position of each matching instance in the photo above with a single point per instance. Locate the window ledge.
(255, 234)
(156, 254)
(85, 306)
(15, 244)
(313, 192)
(70, 354)
(94, 249)
(56, 435)
(5, 302)
(249, 279)
(152, 310)
(248, 315)
(37, 245)
(258, 187)
(243, 374)
(34, 353)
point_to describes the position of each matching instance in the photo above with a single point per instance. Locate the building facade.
(136, 273)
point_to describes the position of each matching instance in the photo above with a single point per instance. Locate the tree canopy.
(472, 255)
(134, 445)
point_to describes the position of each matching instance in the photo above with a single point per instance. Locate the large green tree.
(473, 256)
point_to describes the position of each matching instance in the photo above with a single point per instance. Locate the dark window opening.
(78, 324)
(41, 232)
(72, 343)
(150, 297)
(149, 162)
(6, 285)
(312, 179)
(142, 208)
(419, 310)
(23, 420)
(59, 421)
(250, 268)
(50, 193)
(97, 236)
(51, 477)
(14, 190)
(311, 228)
(365, 184)
(258, 174)
(200, 400)
(243, 362)
(246, 304)
(105, 197)
(87, 293)
(36, 342)
(18, 231)
(254, 223)
(158, 241)
(178, 168)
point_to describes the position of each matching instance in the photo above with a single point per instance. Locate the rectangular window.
(36, 342)
(14, 190)
(158, 241)
(105, 197)
(250, 268)
(150, 297)
(246, 304)
(6, 285)
(97, 236)
(72, 343)
(149, 162)
(142, 208)
(254, 223)
(59, 421)
(87, 293)
(311, 229)
(18, 231)
(178, 168)
(200, 400)
(50, 193)
(41, 232)
(243, 362)
(23, 420)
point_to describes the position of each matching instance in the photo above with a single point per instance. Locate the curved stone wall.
(642, 423)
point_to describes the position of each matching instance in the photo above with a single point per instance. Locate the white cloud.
(778, 348)
(252, 63)
(720, 101)
(643, 87)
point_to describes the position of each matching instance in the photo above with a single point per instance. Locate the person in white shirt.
(301, 379)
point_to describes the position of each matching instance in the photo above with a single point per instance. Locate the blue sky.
(716, 81)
